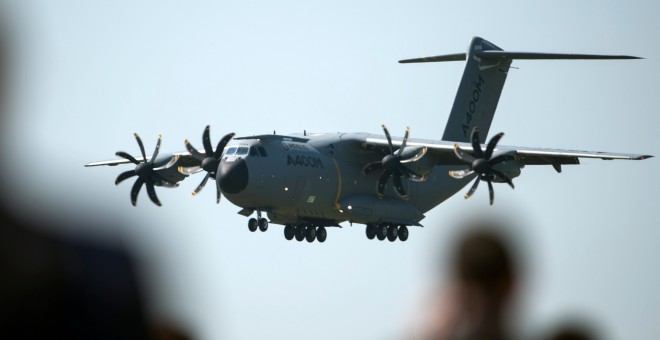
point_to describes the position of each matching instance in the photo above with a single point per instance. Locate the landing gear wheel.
(311, 234)
(253, 224)
(263, 224)
(371, 231)
(392, 233)
(321, 234)
(300, 233)
(289, 232)
(381, 232)
(403, 233)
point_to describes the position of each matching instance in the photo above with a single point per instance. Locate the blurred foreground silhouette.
(59, 285)
(485, 275)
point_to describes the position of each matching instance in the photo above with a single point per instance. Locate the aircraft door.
(299, 189)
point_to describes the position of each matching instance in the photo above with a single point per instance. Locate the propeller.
(145, 171)
(210, 159)
(482, 163)
(393, 166)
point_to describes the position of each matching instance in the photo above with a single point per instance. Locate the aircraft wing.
(444, 152)
(183, 159)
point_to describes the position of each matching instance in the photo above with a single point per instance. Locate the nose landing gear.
(258, 223)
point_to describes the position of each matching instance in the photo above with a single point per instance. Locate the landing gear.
(392, 233)
(289, 232)
(300, 233)
(403, 233)
(258, 223)
(383, 231)
(371, 231)
(305, 232)
(263, 224)
(311, 234)
(321, 234)
(253, 224)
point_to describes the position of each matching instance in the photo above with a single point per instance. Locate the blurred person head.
(572, 329)
(483, 273)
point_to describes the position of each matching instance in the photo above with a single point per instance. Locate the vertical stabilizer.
(478, 93)
(483, 79)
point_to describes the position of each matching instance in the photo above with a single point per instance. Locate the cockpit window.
(253, 152)
(230, 151)
(243, 150)
(262, 151)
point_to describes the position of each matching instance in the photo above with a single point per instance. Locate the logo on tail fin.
(472, 106)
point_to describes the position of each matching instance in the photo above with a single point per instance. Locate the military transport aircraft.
(308, 182)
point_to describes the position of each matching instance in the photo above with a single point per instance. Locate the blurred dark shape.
(52, 287)
(62, 285)
(483, 279)
(572, 330)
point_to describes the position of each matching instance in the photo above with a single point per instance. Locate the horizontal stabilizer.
(532, 55)
(499, 55)
(446, 57)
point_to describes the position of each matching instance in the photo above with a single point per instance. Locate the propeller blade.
(206, 140)
(473, 188)
(416, 157)
(476, 152)
(153, 157)
(196, 154)
(405, 141)
(371, 167)
(389, 138)
(491, 193)
(462, 155)
(144, 155)
(218, 193)
(460, 174)
(127, 156)
(202, 184)
(152, 193)
(221, 145)
(136, 190)
(491, 145)
(503, 177)
(382, 180)
(125, 175)
(398, 185)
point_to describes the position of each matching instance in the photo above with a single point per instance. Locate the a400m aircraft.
(310, 182)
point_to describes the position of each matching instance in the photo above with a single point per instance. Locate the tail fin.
(483, 79)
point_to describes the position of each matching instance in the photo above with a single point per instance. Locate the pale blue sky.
(89, 74)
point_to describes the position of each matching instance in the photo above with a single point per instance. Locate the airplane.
(310, 182)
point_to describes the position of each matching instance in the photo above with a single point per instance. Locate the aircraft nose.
(233, 176)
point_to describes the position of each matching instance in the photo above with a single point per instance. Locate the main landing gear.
(305, 232)
(387, 231)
